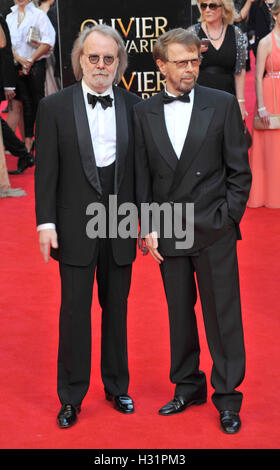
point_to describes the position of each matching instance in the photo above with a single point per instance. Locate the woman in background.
(30, 59)
(224, 61)
(265, 155)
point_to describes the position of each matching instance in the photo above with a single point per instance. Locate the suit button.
(198, 173)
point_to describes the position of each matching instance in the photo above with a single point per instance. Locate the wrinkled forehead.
(182, 50)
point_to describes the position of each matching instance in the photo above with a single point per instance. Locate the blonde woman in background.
(224, 58)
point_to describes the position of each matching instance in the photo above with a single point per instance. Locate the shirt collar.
(87, 89)
(170, 94)
(29, 6)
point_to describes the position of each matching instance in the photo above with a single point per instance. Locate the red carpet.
(29, 301)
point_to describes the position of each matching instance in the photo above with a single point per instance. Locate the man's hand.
(151, 241)
(9, 94)
(47, 238)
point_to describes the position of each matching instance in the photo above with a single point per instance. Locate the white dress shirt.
(177, 119)
(33, 17)
(102, 125)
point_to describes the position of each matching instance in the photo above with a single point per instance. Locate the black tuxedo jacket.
(213, 170)
(7, 67)
(66, 176)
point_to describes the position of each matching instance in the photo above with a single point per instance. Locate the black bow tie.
(104, 100)
(169, 99)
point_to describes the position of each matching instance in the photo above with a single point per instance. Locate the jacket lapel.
(159, 131)
(84, 138)
(122, 137)
(200, 119)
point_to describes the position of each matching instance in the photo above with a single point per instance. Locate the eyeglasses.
(211, 6)
(94, 58)
(181, 64)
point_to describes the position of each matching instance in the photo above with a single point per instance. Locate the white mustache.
(100, 72)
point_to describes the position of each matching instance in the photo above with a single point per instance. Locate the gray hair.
(78, 47)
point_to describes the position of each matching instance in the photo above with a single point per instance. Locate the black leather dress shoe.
(122, 403)
(67, 415)
(23, 163)
(179, 404)
(230, 421)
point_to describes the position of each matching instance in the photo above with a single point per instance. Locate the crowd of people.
(228, 31)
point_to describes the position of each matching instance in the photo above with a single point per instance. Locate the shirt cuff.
(45, 226)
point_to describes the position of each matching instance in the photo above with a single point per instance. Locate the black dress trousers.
(216, 270)
(74, 355)
(30, 90)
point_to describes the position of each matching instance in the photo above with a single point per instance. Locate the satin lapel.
(159, 132)
(84, 138)
(199, 123)
(122, 137)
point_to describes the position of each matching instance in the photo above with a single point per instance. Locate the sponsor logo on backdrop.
(139, 35)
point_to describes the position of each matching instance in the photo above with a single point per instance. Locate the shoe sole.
(230, 432)
(68, 426)
(123, 412)
(194, 402)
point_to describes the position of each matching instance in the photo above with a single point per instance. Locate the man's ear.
(162, 66)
